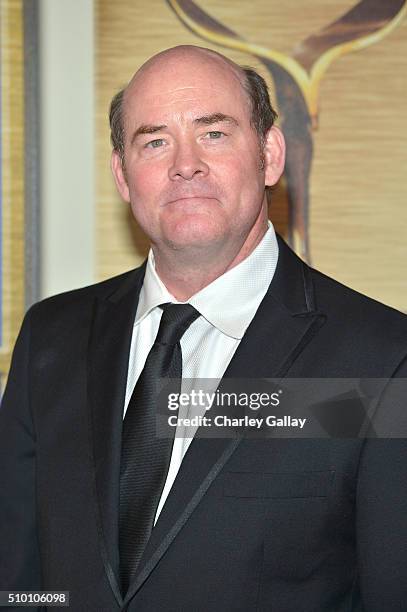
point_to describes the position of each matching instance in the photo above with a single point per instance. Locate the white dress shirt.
(227, 306)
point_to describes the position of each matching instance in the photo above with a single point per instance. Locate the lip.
(189, 198)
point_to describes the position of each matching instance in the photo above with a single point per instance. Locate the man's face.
(193, 168)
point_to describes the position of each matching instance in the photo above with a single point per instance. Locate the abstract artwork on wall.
(297, 79)
(337, 75)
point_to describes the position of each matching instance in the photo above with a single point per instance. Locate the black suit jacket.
(250, 524)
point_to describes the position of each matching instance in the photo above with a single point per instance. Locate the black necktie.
(145, 458)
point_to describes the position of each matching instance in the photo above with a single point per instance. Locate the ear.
(119, 176)
(274, 156)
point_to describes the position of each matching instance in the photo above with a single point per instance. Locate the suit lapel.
(286, 321)
(108, 355)
(201, 465)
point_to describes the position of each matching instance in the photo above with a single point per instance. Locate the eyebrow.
(204, 120)
(215, 118)
(147, 129)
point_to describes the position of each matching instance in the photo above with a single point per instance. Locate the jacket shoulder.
(75, 300)
(358, 320)
(333, 295)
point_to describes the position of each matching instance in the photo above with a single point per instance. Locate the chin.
(198, 231)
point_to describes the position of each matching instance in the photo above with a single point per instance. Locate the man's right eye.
(154, 144)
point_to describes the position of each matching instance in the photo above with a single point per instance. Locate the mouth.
(193, 200)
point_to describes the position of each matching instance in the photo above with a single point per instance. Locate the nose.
(187, 162)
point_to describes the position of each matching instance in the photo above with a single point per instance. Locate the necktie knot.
(175, 321)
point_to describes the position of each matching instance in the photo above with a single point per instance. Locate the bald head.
(187, 54)
(189, 62)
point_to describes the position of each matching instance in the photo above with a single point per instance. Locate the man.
(92, 501)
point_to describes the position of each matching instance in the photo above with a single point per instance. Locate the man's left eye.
(215, 135)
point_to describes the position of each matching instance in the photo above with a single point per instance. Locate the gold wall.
(358, 187)
(12, 176)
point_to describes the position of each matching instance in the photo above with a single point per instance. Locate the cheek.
(142, 200)
(142, 183)
(145, 186)
(243, 179)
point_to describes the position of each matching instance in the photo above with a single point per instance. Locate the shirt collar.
(230, 302)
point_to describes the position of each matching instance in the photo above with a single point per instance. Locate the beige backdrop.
(358, 217)
(12, 175)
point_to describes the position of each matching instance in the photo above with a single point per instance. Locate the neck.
(185, 272)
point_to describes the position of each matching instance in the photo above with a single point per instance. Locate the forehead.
(185, 87)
